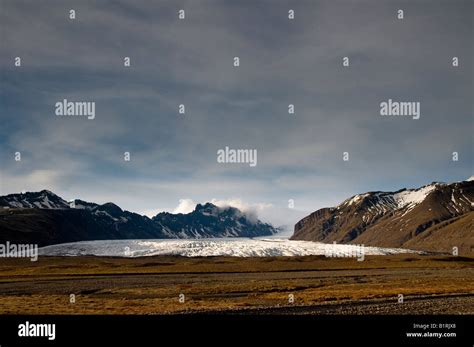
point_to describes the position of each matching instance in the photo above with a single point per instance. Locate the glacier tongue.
(236, 247)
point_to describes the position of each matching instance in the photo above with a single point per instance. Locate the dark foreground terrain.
(319, 285)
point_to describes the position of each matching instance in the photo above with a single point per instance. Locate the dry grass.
(152, 285)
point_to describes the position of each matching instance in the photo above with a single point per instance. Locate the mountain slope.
(208, 220)
(42, 199)
(420, 218)
(45, 218)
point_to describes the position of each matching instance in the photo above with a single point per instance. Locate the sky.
(190, 61)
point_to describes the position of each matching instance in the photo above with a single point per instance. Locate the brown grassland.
(152, 285)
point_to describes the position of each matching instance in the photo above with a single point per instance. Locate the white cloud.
(241, 205)
(266, 212)
(185, 206)
(251, 211)
(151, 213)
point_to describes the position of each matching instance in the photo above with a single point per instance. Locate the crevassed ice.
(241, 247)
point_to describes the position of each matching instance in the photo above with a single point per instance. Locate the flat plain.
(266, 285)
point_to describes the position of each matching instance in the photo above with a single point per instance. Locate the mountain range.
(45, 218)
(437, 217)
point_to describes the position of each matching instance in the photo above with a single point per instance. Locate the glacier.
(233, 247)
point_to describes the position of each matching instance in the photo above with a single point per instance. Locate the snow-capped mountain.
(209, 220)
(42, 199)
(45, 218)
(437, 216)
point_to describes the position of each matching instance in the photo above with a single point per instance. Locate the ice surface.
(237, 247)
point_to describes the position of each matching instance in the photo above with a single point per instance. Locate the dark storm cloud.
(190, 62)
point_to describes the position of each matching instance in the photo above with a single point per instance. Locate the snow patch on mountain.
(383, 202)
(355, 199)
(412, 197)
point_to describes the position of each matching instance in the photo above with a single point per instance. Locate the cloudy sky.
(190, 62)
